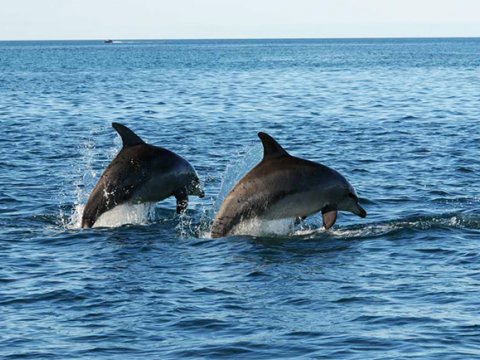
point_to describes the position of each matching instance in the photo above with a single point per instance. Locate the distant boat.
(108, 41)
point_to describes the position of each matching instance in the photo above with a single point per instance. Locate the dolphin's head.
(349, 201)
(340, 194)
(194, 187)
(336, 193)
(188, 178)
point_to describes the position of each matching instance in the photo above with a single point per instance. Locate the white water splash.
(236, 169)
(185, 227)
(240, 164)
(138, 214)
(258, 227)
(262, 227)
(84, 179)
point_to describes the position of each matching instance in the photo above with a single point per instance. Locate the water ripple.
(397, 117)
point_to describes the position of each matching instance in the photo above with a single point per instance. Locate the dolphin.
(141, 173)
(282, 186)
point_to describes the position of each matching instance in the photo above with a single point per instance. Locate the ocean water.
(398, 117)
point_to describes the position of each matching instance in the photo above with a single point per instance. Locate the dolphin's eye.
(352, 196)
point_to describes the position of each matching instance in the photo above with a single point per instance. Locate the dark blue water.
(399, 118)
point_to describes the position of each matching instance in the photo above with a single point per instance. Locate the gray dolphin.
(141, 173)
(282, 186)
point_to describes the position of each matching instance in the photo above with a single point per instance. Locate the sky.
(207, 19)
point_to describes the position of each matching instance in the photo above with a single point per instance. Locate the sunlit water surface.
(399, 118)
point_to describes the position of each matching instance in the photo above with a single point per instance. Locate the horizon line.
(254, 38)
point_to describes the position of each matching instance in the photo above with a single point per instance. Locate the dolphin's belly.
(295, 205)
(157, 188)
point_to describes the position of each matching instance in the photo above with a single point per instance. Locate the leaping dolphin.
(282, 186)
(141, 173)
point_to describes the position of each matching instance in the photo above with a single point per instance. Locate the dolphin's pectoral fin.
(182, 201)
(329, 217)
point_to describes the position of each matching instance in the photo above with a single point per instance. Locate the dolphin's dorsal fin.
(271, 148)
(129, 138)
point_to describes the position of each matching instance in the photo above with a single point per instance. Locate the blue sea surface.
(399, 118)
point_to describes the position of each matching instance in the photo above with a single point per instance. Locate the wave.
(196, 224)
(287, 227)
(462, 221)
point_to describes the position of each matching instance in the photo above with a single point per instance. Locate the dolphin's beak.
(360, 211)
(197, 189)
